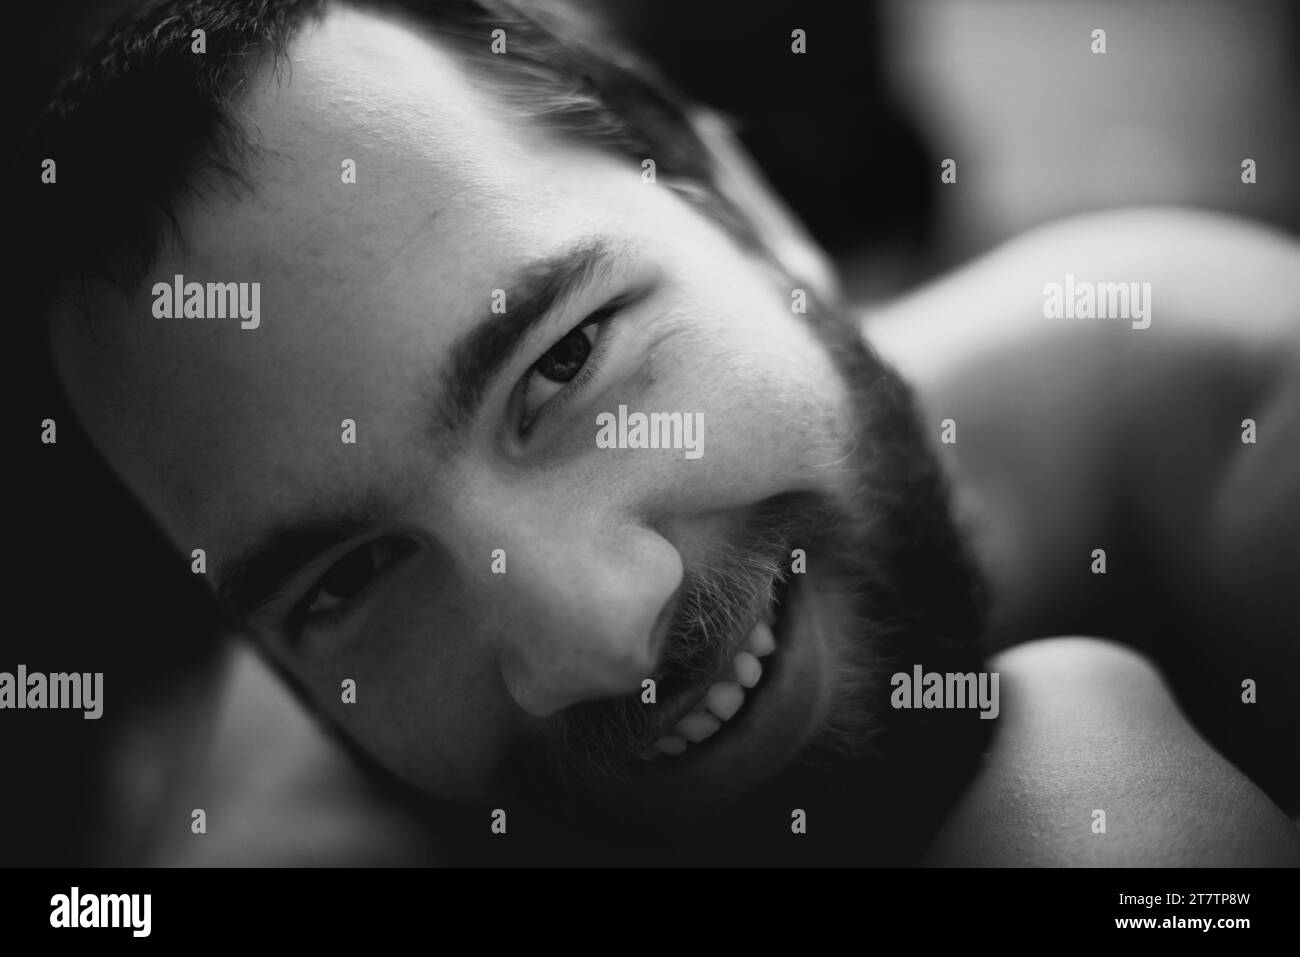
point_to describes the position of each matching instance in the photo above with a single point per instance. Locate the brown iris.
(564, 359)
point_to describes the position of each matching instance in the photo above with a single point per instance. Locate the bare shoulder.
(1218, 342)
(1092, 764)
(1209, 274)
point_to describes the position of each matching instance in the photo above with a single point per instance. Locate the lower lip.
(773, 727)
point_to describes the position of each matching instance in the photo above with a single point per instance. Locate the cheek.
(775, 407)
(428, 700)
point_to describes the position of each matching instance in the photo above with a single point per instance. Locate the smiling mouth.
(705, 718)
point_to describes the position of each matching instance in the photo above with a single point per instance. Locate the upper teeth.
(723, 698)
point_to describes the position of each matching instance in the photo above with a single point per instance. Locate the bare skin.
(1087, 433)
(223, 433)
(1089, 727)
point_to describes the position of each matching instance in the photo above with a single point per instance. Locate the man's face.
(492, 579)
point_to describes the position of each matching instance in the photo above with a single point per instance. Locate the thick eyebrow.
(478, 356)
(256, 575)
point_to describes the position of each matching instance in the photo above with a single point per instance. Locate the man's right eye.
(350, 577)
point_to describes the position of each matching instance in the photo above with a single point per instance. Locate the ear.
(741, 181)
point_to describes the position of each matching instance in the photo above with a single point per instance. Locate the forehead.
(452, 194)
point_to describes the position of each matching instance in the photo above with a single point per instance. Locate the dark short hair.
(143, 122)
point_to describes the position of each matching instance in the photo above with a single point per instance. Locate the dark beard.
(875, 782)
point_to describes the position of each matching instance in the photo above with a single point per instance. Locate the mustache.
(718, 602)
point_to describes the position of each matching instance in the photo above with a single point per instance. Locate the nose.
(586, 612)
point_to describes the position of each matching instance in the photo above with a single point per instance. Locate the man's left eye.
(574, 357)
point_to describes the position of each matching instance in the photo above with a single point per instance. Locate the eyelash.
(603, 316)
(303, 620)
